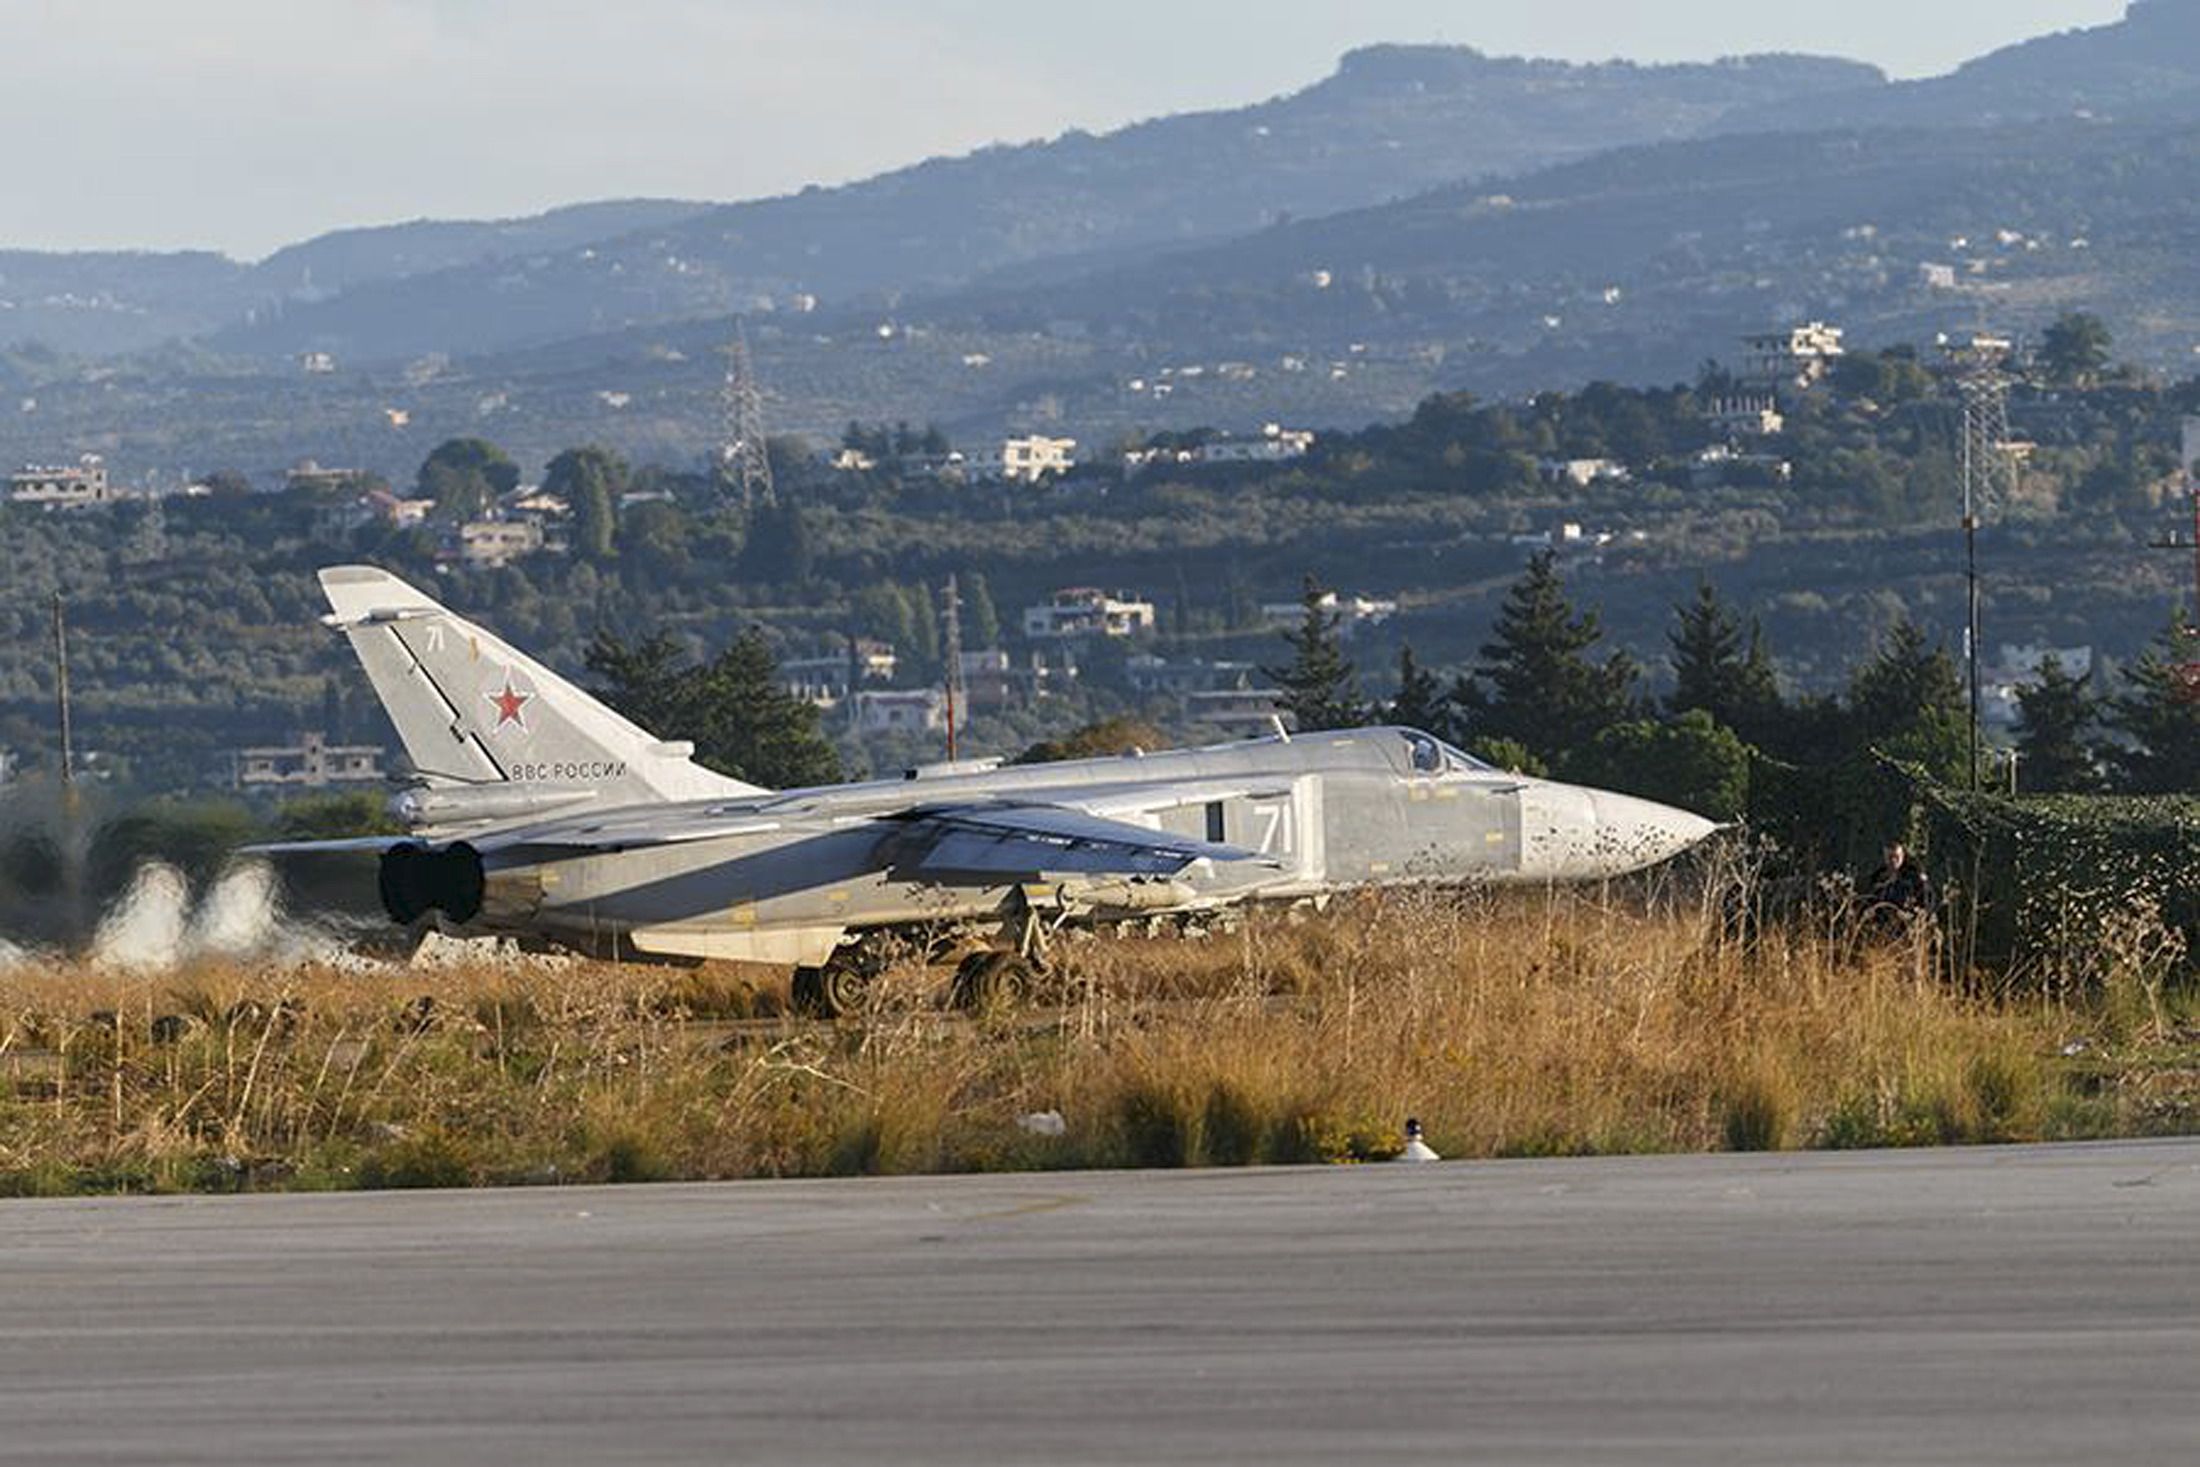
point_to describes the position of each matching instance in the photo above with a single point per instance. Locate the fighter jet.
(539, 813)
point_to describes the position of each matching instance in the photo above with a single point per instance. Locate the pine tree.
(2075, 349)
(2056, 715)
(1320, 688)
(465, 477)
(334, 726)
(649, 681)
(1906, 681)
(1907, 702)
(981, 620)
(590, 480)
(1721, 668)
(882, 611)
(779, 552)
(1538, 685)
(750, 727)
(1420, 702)
(2158, 719)
(923, 647)
(732, 708)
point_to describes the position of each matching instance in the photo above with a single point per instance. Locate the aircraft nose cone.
(1633, 834)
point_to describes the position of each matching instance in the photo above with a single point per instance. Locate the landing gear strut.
(997, 980)
(838, 989)
(993, 981)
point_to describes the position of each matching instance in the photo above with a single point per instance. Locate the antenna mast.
(61, 689)
(1983, 385)
(951, 614)
(744, 458)
(2187, 672)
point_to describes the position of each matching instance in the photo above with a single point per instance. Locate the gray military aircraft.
(540, 813)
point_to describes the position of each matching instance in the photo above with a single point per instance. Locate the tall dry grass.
(1542, 1023)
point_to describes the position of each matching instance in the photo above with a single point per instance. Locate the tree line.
(1543, 699)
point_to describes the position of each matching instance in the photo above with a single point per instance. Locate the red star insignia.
(509, 703)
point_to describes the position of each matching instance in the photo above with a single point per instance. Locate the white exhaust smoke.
(238, 915)
(145, 926)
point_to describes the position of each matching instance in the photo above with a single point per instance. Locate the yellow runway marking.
(1029, 1209)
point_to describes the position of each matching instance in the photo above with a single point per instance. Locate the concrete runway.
(2007, 1306)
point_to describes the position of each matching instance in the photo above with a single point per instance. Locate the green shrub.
(1758, 1114)
(1230, 1128)
(1154, 1127)
(430, 1157)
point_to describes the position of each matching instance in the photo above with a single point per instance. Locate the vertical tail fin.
(472, 711)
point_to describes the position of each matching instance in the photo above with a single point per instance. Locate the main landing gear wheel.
(993, 982)
(841, 988)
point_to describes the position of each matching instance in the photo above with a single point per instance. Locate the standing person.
(1899, 891)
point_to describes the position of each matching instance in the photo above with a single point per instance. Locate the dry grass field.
(1539, 1023)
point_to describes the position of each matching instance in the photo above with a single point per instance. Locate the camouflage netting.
(2062, 889)
(2053, 890)
(1831, 818)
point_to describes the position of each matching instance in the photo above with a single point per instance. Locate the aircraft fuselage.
(788, 877)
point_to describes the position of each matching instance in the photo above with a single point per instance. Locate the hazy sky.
(245, 124)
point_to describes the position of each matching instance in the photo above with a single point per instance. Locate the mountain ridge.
(1390, 120)
(2146, 63)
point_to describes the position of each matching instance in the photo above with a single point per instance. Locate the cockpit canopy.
(1428, 755)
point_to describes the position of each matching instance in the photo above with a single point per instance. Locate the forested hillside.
(196, 631)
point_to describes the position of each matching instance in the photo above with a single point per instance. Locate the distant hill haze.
(1392, 121)
(106, 302)
(2146, 66)
(1425, 218)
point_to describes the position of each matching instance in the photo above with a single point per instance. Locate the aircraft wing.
(1030, 839)
(990, 839)
(1122, 800)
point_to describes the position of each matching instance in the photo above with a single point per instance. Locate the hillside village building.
(310, 762)
(81, 485)
(1081, 611)
(827, 680)
(309, 475)
(1792, 360)
(1176, 677)
(1022, 460)
(1582, 472)
(1351, 612)
(918, 710)
(1747, 417)
(1237, 712)
(1276, 444)
(376, 506)
(1722, 464)
(494, 544)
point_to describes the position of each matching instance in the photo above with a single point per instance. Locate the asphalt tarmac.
(2027, 1305)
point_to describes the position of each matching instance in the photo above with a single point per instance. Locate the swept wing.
(1008, 840)
(988, 839)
